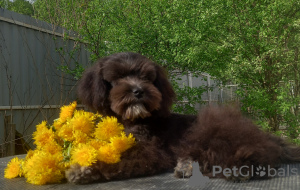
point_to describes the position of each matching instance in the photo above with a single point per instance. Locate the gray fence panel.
(216, 93)
(32, 88)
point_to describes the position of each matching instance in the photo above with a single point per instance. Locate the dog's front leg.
(144, 159)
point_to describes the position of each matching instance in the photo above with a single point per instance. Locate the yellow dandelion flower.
(66, 112)
(14, 168)
(66, 132)
(29, 154)
(52, 148)
(79, 137)
(97, 144)
(82, 121)
(122, 143)
(108, 154)
(67, 165)
(43, 167)
(89, 115)
(46, 164)
(109, 127)
(98, 115)
(57, 124)
(84, 155)
(41, 126)
(43, 135)
(59, 140)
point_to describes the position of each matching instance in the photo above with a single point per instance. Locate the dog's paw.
(184, 168)
(81, 174)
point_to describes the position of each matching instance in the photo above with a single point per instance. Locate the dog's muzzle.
(132, 98)
(136, 111)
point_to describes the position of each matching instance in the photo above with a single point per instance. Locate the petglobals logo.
(261, 171)
(197, 179)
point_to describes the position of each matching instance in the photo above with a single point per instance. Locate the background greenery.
(252, 43)
(20, 6)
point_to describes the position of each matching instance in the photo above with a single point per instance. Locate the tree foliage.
(265, 37)
(251, 43)
(19, 6)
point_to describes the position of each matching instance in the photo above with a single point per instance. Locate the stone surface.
(166, 181)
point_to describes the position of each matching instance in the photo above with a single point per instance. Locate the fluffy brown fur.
(136, 91)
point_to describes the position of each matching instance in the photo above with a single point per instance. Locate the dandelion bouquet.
(76, 136)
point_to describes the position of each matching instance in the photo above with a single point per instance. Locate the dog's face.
(133, 94)
(128, 85)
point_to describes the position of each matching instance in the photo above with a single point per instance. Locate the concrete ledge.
(164, 181)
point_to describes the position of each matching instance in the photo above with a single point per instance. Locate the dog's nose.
(138, 92)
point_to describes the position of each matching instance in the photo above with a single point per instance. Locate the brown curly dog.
(136, 90)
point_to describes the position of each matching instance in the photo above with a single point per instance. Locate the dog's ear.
(164, 86)
(93, 90)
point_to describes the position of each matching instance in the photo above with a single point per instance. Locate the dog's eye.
(148, 77)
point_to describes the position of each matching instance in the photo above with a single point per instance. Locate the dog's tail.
(289, 152)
